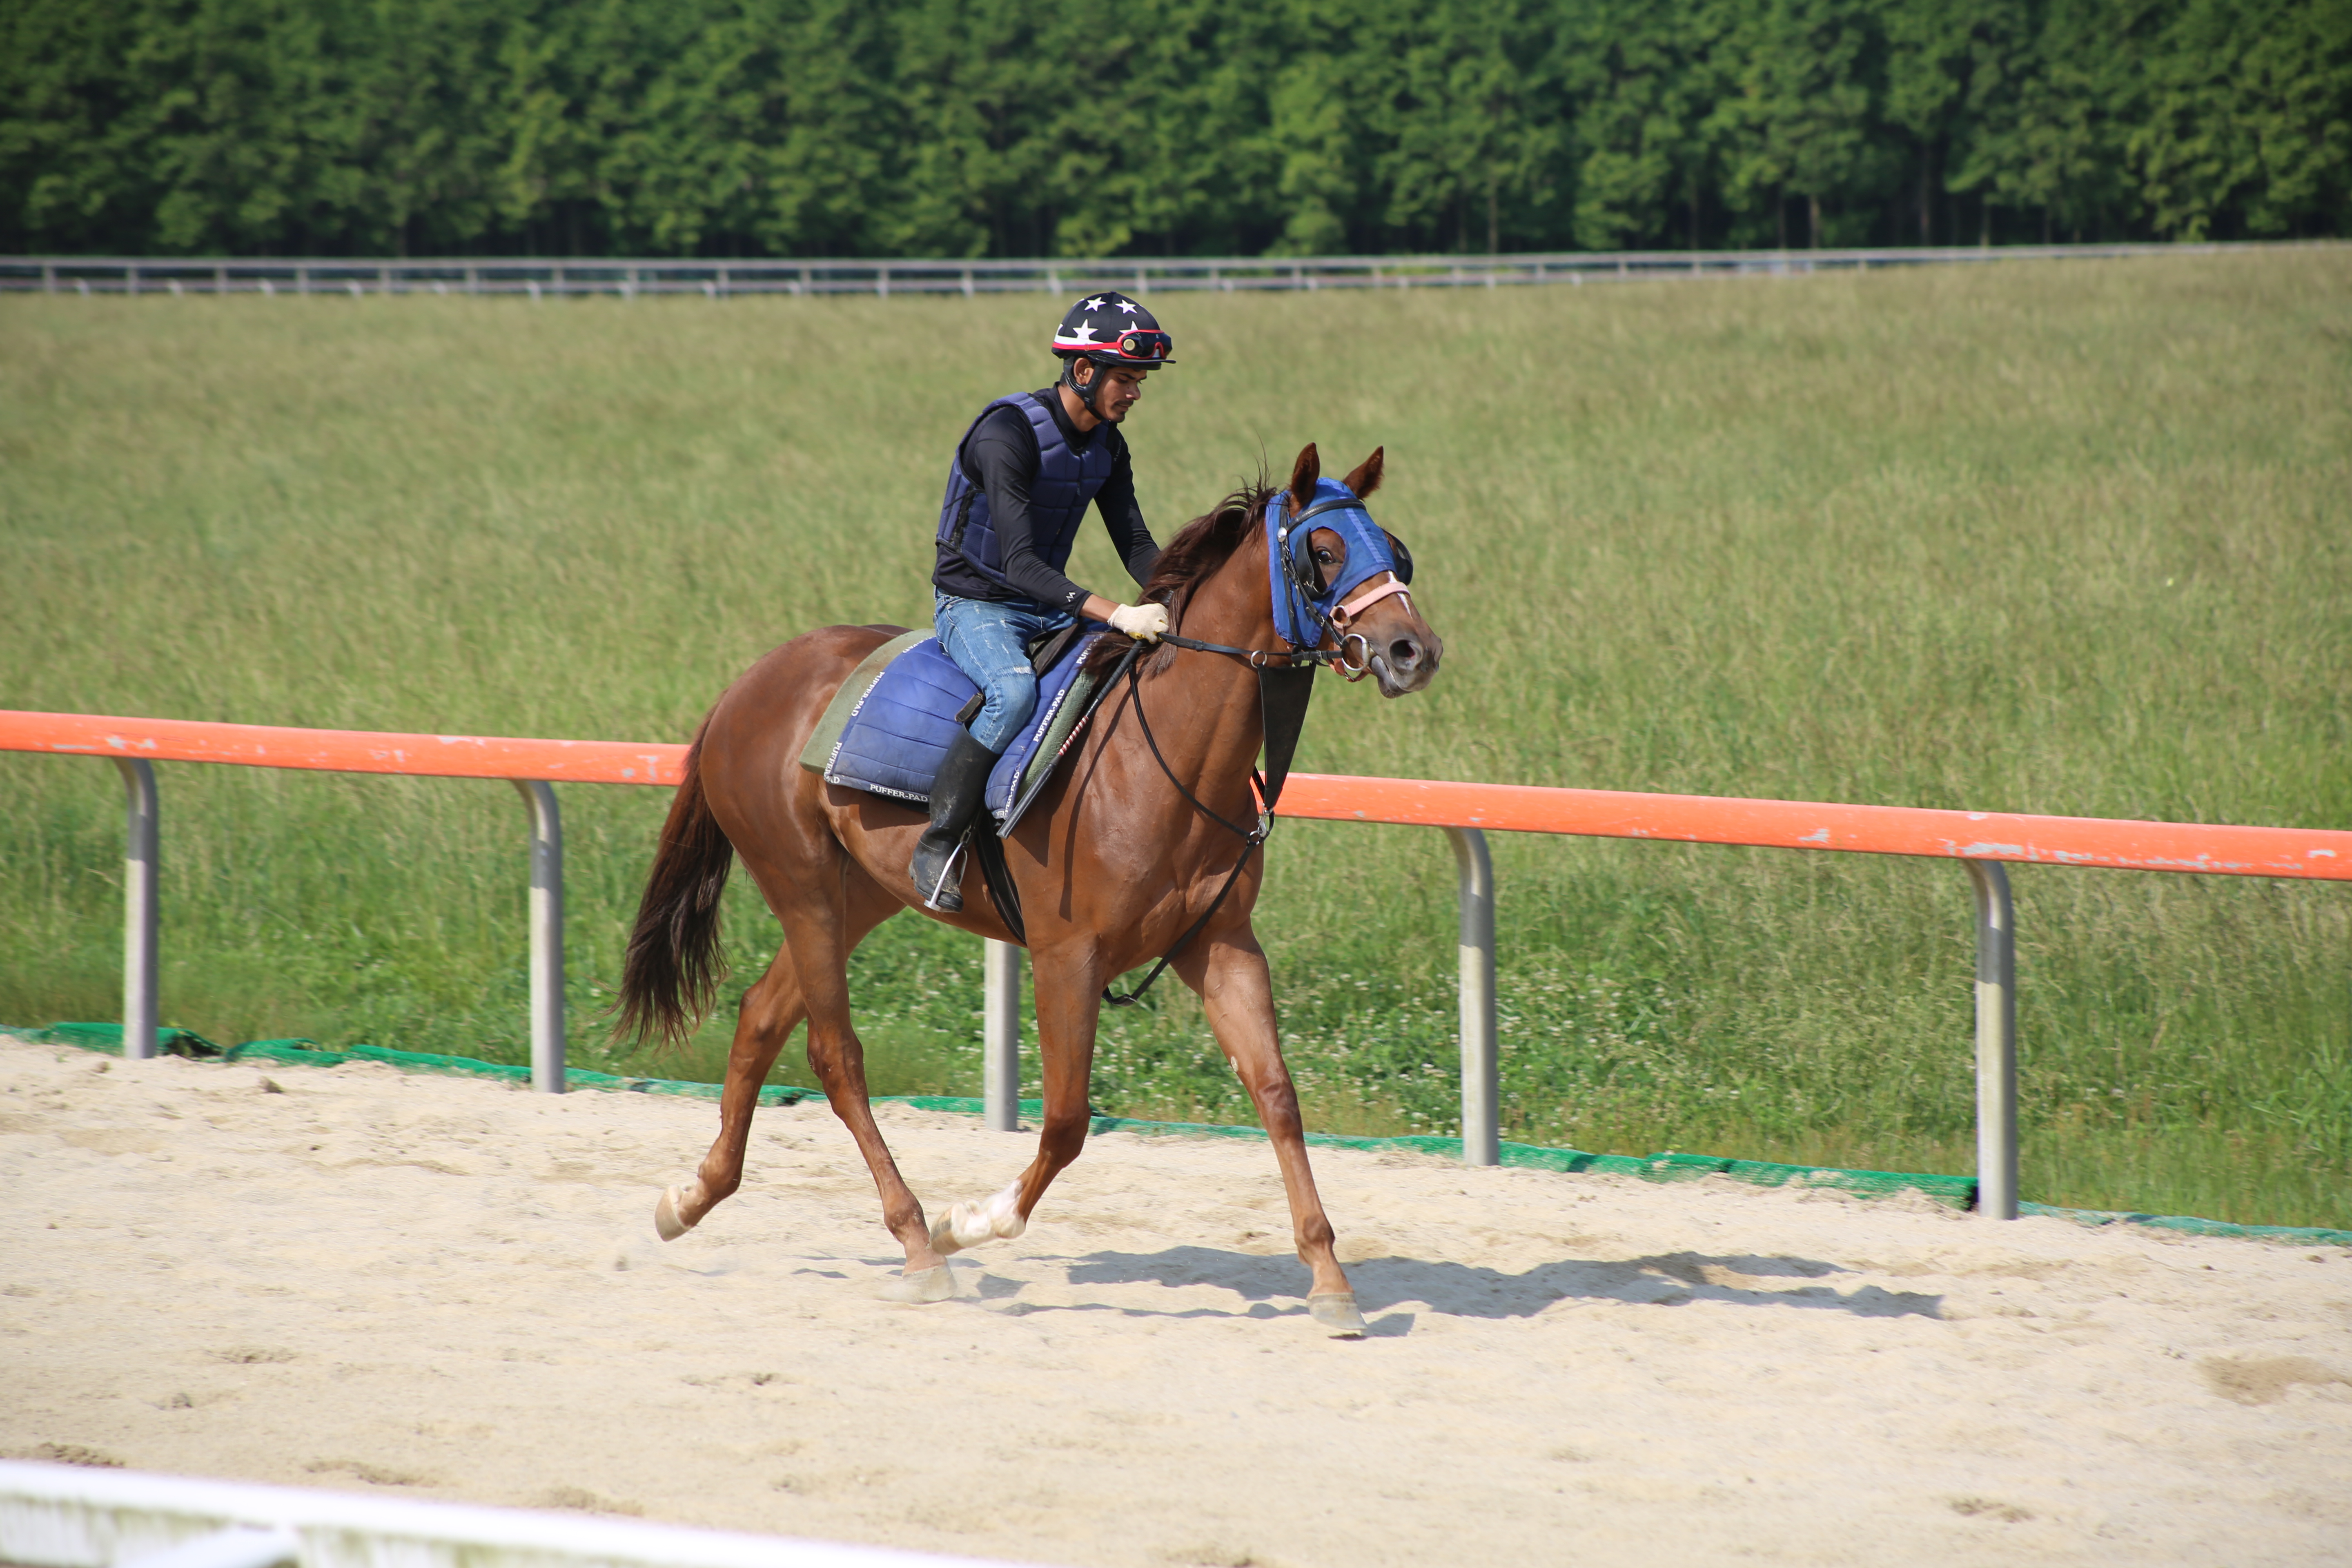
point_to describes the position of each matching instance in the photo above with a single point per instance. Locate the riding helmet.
(1110, 328)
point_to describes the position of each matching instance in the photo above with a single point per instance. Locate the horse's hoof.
(1335, 1310)
(666, 1218)
(921, 1287)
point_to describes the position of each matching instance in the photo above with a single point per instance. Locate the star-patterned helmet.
(1108, 328)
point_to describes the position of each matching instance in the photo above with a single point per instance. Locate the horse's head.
(1341, 581)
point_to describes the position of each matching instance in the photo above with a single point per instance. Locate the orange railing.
(1466, 811)
(2110, 843)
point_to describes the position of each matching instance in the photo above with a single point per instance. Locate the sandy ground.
(444, 1288)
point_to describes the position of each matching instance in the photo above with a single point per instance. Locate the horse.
(1132, 852)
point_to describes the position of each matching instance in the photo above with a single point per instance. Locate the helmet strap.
(1085, 390)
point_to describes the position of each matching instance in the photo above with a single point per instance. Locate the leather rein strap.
(1285, 682)
(1251, 838)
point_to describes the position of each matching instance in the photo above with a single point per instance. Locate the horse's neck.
(1203, 709)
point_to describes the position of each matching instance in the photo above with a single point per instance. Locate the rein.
(1251, 837)
(1255, 658)
(1285, 683)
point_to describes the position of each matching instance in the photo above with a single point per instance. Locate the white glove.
(1144, 623)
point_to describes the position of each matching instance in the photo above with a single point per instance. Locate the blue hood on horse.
(1306, 609)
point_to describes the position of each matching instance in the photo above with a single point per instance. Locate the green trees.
(1023, 127)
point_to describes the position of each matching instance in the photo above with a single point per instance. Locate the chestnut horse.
(1113, 866)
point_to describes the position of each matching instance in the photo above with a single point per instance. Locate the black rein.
(1272, 665)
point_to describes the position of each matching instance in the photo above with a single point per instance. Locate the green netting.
(1956, 1191)
(108, 1038)
(309, 1053)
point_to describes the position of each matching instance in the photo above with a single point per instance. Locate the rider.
(1017, 493)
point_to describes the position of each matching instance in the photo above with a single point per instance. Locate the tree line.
(967, 128)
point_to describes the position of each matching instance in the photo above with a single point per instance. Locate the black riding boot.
(956, 798)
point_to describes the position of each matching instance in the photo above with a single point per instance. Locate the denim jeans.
(989, 642)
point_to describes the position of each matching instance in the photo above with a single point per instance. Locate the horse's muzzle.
(1405, 661)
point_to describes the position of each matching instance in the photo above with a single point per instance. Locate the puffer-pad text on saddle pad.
(889, 727)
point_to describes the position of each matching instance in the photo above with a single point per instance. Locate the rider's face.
(1120, 387)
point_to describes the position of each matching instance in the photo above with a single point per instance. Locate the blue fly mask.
(1305, 612)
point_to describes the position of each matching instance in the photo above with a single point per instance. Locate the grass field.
(2071, 538)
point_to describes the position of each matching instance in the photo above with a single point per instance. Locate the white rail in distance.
(65, 1516)
(539, 277)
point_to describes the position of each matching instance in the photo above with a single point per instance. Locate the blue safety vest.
(1065, 485)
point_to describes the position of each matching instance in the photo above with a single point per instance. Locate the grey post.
(1481, 1087)
(1996, 1042)
(546, 935)
(139, 867)
(999, 1061)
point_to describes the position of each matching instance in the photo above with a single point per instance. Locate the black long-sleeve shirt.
(1002, 459)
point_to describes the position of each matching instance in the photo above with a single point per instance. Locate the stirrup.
(948, 878)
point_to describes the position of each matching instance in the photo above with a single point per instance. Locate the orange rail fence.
(1982, 840)
(2112, 843)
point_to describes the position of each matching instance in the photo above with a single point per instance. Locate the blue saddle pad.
(899, 734)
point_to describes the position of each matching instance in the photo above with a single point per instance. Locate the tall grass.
(2066, 538)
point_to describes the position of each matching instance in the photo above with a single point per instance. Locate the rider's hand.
(1145, 623)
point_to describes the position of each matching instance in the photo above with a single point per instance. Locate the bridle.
(1307, 613)
(1301, 596)
(1285, 675)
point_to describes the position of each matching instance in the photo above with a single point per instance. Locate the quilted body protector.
(1066, 483)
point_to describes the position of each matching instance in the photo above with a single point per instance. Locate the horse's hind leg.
(821, 938)
(773, 1009)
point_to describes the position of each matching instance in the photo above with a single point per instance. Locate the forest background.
(965, 128)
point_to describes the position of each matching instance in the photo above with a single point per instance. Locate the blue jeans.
(989, 642)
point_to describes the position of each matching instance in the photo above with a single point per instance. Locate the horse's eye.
(1325, 557)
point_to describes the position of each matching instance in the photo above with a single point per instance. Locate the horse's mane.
(1192, 557)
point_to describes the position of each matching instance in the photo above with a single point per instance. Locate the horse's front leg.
(1068, 983)
(1229, 972)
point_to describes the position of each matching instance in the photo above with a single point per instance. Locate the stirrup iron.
(948, 877)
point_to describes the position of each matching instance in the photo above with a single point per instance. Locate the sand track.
(446, 1289)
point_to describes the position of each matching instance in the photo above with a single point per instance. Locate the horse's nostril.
(1404, 653)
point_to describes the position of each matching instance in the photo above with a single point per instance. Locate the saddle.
(888, 728)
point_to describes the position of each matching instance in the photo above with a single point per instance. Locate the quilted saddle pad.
(889, 727)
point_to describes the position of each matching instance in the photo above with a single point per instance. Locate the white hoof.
(665, 1215)
(921, 1287)
(968, 1224)
(1335, 1311)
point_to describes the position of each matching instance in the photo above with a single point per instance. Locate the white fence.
(540, 277)
(64, 1516)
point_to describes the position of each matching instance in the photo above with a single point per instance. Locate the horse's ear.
(1366, 476)
(1303, 474)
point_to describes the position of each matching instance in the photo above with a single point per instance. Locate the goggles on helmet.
(1146, 343)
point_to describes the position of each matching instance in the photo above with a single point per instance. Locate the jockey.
(1017, 493)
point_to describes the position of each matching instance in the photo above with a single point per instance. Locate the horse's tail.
(670, 977)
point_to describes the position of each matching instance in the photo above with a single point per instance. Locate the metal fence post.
(1481, 1085)
(1996, 1042)
(546, 935)
(139, 921)
(999, 1062)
